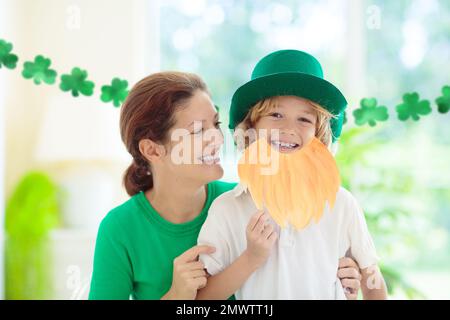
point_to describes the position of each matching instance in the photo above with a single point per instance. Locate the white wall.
(99, 36)
(3, 31)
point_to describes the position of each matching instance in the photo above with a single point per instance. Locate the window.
(379, 49)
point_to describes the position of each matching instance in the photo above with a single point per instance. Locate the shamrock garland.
(39, 71)
(370, 113)
(116, 92)
(412, 107)
(443, 102)
(77, 83)
(7, 59)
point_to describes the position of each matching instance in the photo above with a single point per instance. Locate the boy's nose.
(289, 131)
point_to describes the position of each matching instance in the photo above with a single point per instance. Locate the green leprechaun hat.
(289, 73)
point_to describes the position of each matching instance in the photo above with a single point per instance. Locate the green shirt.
(135, 248)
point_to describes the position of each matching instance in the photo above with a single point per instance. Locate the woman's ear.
(151, 150)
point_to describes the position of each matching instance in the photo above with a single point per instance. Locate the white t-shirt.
(303, 264)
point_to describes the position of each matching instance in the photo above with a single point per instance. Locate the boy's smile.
(285, 146)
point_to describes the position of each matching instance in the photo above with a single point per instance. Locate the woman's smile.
(210, 159)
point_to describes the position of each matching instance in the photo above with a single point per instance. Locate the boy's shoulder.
(231, 195)
(346, 207)
(231, 204)
(345, 197)
(343, 194)
(220, 187)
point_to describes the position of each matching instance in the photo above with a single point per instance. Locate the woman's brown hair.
(148, 113)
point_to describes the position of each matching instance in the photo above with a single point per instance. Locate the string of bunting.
(76, 82)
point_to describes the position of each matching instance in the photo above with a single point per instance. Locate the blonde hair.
(265, 106)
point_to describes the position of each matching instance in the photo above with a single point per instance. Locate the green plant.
(31, 212)
(388, 222)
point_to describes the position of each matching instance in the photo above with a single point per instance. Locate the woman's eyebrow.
(194, 121)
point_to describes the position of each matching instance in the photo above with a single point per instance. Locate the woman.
(146, 246)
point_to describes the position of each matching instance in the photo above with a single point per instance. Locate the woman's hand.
(260, 239)
(350, 277)
(188, 274)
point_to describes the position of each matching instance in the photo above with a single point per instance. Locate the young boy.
(264, 255)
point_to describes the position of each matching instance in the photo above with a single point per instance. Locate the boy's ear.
(151, 150)
(240, 136)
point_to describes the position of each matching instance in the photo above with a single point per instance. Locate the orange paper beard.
(297, 192)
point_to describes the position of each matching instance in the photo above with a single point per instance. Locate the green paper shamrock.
(7, 59)
(39, 70)
(370, 113)
(76, 83)
(116, 92)
(443, 102)
(412, 107)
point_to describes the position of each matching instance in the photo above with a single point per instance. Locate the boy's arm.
(224, 284)
(260, 240)
(363, 252)
(373, 286)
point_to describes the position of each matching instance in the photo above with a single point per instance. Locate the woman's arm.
(260, 240)
(373, 285)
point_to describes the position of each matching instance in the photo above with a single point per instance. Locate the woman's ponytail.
(136, 178)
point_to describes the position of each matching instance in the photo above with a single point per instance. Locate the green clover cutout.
(370, 113)
(76, 83)
(443, 102)
(412, 107)
(116, 92)
(39, 70)
(7, 59)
